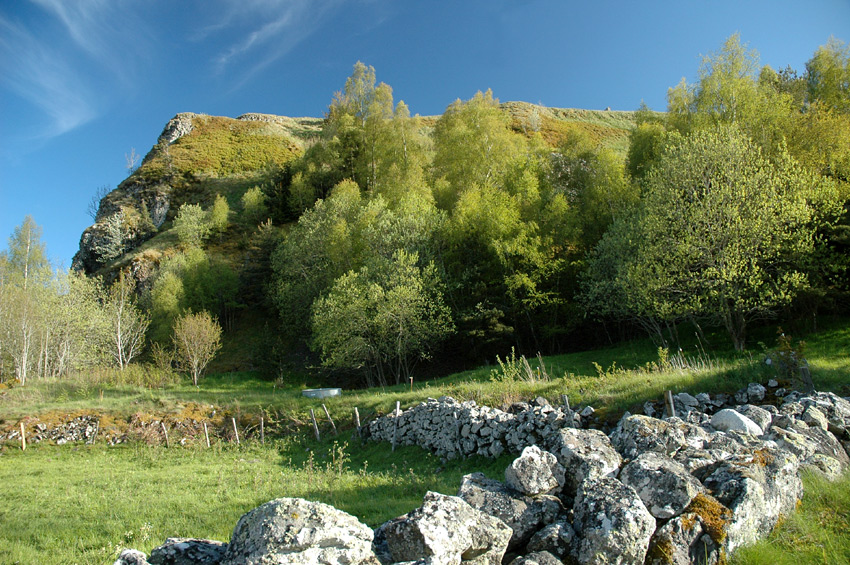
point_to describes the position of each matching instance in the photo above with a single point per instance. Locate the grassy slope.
(79, 504)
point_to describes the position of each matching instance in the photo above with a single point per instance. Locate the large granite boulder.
(297, 531)
(445, 530)
(524, 515)
(611, 523)
(585, 454)
(758, 489)
(664, 485)
(535, 472)
(188, 551)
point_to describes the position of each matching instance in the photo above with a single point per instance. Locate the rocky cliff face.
(191, 150)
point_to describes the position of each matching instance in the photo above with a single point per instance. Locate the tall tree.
(128, 324)
(723, 232)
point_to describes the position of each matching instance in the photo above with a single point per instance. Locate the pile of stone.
(655, 491)
(79, 429)
(453, 429)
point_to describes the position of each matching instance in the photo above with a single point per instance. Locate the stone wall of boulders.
(656, 491)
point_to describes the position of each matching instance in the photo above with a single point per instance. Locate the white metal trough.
(321, 392)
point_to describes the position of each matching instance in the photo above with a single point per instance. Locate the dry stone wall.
(657, 491)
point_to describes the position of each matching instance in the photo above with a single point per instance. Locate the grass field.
(80, 504)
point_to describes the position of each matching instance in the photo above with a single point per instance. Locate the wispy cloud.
(39, 73)
(73, 63)
(264, 31)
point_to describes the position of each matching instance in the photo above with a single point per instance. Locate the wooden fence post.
(668, 403)
(565, 400)
(165, 431)
(262, 431)
(315, 425)
(23, 438)
(397, 418)
(357, 423)
(331, 420)
(206, 435)
(235, 431)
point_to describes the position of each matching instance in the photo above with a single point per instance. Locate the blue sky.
(82, 82)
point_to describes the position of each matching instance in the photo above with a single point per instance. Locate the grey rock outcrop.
(445, 530)
(296, 531)
(664, 485)
(523, 515)
(535, 472)
(611, 523)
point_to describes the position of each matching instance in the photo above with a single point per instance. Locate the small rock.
(687, 400)
(729, 420)
(131, 557)
(537, 558)
(814, 417)
(755, 392)
(587, 412)
(555, 538)
(535, 472)
(772, 383)
(188, 551)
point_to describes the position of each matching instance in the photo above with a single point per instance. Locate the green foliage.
(197, 339)
(474, 146)
(722, 234)
(112, 244)
(192, 280)
(254, 209)
(219, 146)
(382, 321)
(192, 225)
(828, 76)
(219, 215)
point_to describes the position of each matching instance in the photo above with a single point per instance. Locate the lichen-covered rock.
(556, 538)
(611, 523)
(131, 557)
(684, 540)
(637, 434)
(445, 530)
(188, 551)
(757, 414)
(524, 515)
(535, 472)
(835, 408)
(297, 531)
(758, 489)
(755, 392)
(585, 454)
(537, 558)
(822, 465)
(814, 417)
(731, 420)
(664, 485)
